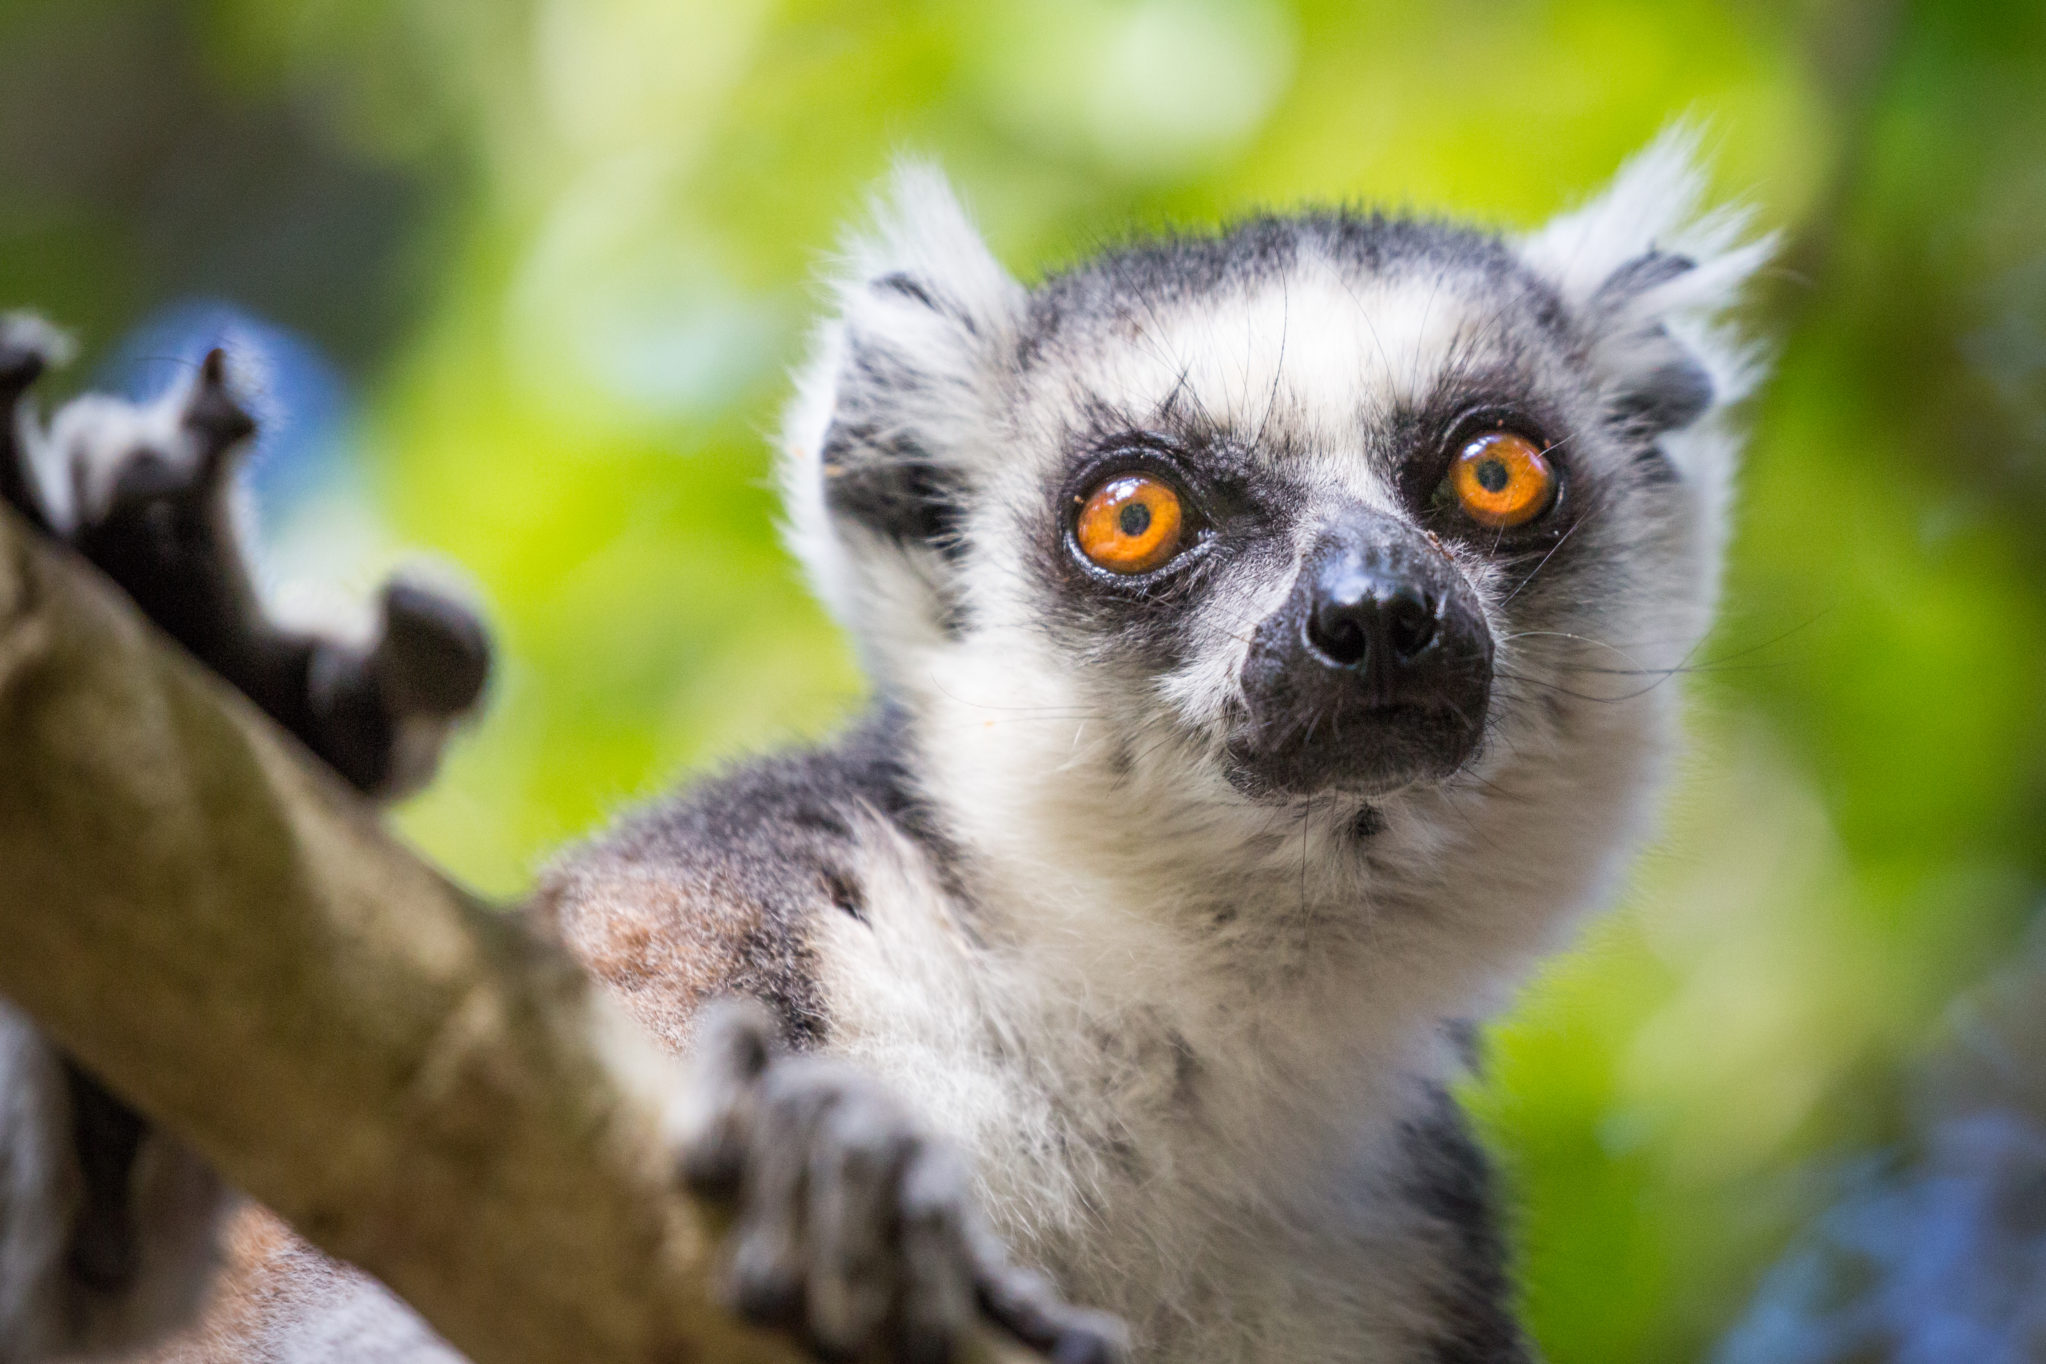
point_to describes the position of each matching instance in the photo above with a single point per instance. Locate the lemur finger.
(855, 1167)
(106, 1136)
(1028, 1307)
(936, 1306)
(129, 461)
(769, 1263)
(149, 507)
(710, 1123)
(28, 347)
(216, 418)
(433, 657)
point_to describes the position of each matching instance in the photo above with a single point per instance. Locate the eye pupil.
(1493, 476)
(1135, 519)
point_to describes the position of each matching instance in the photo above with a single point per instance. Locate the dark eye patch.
(1423, 440)
(1143, 619)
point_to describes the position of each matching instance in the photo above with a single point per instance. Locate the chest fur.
(1219, 1168)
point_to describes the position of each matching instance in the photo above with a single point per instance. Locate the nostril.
(1409, 624)
(1371, 626)
(1337, 634)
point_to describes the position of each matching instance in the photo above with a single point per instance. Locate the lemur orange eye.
(1502, 480)
(1130, 524)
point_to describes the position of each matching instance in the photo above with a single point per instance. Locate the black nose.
(1376, 671)
(1370, 620)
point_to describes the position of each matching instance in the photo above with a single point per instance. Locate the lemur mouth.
(1372, 754)
(1375, 674)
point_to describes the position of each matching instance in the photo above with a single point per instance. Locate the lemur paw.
(145, 491)
(854, 1227)
(106, 1226)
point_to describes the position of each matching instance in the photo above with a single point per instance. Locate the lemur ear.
(1651, 274)
(896, 409)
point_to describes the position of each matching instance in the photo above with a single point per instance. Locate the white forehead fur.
(1311, 344)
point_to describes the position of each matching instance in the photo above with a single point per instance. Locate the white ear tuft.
(921, 233)
(892, 411)
(1652, 275)
(1653, 207)
(1652, 272)
(1647, 254)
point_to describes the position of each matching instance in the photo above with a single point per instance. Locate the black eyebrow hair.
(1208, 445)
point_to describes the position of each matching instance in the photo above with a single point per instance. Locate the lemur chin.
(1269, 630)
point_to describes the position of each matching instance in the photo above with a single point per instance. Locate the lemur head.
(1332, 510)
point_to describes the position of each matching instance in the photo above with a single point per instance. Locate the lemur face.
(1295, 472)
(1333, 504)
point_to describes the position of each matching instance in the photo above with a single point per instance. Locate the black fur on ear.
(1652, 269)
(1667, 398)
(1672, 388)
(892, 487)
(897, 411)
(882, 469)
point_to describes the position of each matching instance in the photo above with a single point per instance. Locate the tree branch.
(222, 932)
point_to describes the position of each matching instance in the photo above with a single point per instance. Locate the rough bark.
(221, 930)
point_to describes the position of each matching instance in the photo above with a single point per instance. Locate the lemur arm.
(106, 1239)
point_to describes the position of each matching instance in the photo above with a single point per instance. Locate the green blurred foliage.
(564, 248)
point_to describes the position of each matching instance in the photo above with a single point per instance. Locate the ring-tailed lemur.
(1267, 629)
